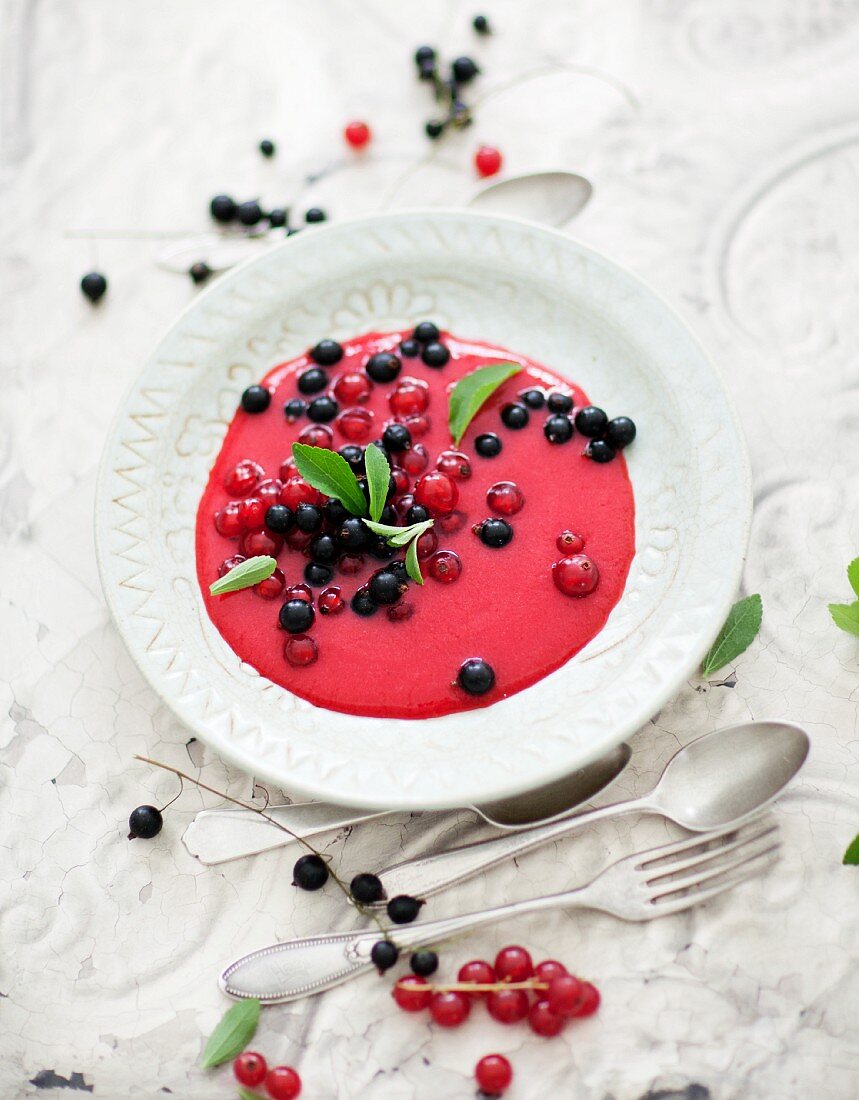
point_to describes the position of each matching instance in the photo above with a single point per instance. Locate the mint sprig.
(851, 856)
(331, 474)
(846, 615)
(735, 637)
(233, 1033)
(244, 575)
(471, 392)
(378, 479)
(404, 536)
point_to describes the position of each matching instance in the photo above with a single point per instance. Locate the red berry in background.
(487, 160)
(296, 491)
(282, 1083)
(548, 969)
(256, 543)
(427, 544)
(416, 459)
(250, 1068)
(568, 542)
(575, 576)
(299, 592)
(543, 1021)
(590, 1001)
(444, 567)
(435, 491)
(401, 479)
(300, 651)
(243, 477)
(268, 491)
(455, 464)
(507, 1006)
(451, 523)
(353, 389)
(228, 521)
(418, 426)
(357, 134)
(252, 512)
(272, 586)
(505, 498)
(317, 435)
(401, 612)
(564, 995)
(350, 564)
(230, 563)
(477, 971)
(331, 601)
(412, 993)
(356, 424)
(493, 1074)
(513, 964)
(410, 397)
(449, 1009)
(288, 469)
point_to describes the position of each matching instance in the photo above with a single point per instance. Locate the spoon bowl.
(550, 198)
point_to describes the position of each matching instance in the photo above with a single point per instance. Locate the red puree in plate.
(402, 662)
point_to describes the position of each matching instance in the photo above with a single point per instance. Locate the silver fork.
(639, 887)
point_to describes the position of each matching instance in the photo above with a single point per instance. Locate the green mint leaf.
(853, 575)
(851, 856)
(384, 528)
(738, 633)
(378, 479)
(846, 616)
(399, 536)
(413, 565)
(246, 1094)
(232, 1034)
(244, 575)
(470, 393)
(331, 474)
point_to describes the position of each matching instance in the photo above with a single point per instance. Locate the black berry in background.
(294, 408)
(397, 437)
(464, 70)
(600, 451)
(559, 402)
(366, 889)
(93, 285)
(256, 399)
(417, 514)
(296, 616)
(434, 129)
(267, 148)
(362, 603)
(323, 550)
(384, 955)
(475, 676)
(514, 416)
(424, 54)
(426, 332)
(199, 272)
(410, 348)
(354, 455)
(315, 214)
(424, 963)
(384, 366)
(591, 421)
(308, 518)
(222, 208)
(481, 24)
(385, 587)
(145, 822)
(249, 213)
(326, 353)
(495, 533)
(435, 355)
(310, 873)
(352, 534)
(279, 518)
(488, 445)
(558, 429)
(317, 575)
(619, 433)
(277, 217)
(322, 409)
(534, 399)
(312, 381)
(403, 909)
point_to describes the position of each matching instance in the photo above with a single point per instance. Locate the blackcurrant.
(279, 518)
(324, 550)
(334, 511)
(379, 549)
(464, 69)
(93, 286)
(295, 408)
(222, 208)
(199, 272)
(267, 148)
(256, 399)
(403, 909)
(145, 822)
(481, 24)
(426, 332)
(514, 416)
(495, 533)
(384, 955)
(410, 348)
(424, 963)
(366, 889)
(385, 587)
(277, 217)
(326, 353)
(423, 54)
(600, 451)
(558, 429)
(591, 421)
(322, 409)
(249, 213)
(384, 366)
(398, 568)
(353, 534)
(310, 873)
(620, 432)
(396, 438)
(314, 215)
(534, 399)
(475, 676)
(296, 616)
(488, 445)
(362, 603)
(417, 514)
(312, 381)
(435, 355)
(559, 402)
(434, 128)
(317, 575)
(354, 455)
(308, 518)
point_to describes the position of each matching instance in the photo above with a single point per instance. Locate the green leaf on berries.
(378, 479)
(232, 1034)
(472, 392)
(851, 856)
(399, 536)
(735, 637)
(846, 616)
(413, 565)
(244, 575)
(331, 474)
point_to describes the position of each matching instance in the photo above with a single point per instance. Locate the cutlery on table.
(718, 781)
(550, 198)
(640, 887)
(216, 836)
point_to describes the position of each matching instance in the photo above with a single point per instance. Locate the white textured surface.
(722, 143)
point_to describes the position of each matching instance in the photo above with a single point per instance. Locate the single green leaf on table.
(738, 633)
(470, 393)
(244, 575)
(846, 616)
(851, 856)
(413, 565)
(378, 479)
(232, 1034)
(331, 474)
(853, 575)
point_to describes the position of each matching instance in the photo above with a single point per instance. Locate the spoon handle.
(431, 874)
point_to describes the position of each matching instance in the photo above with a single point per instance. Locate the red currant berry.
(570, 543)
(269, 491)
(356, 425)
(272, 586)
(478, 972)
(455, 464)
(487, 160)
(257, 543)
(493, 1074)
(449, 525)
(590, 1001)
(252, 512)
(288, 469)
(250, 1068)
(401, 479)
(296, 491)
(357, 134)
(543, 1020)
(410, 397)
(412, 993)
(299, 592)
(353, 389)
(228, 521)
(575, 576)
(415, 460)
(548, 969)
(513, 964)
(436, 491)
(401, 612)
(230, 563)
(507, 1006)
(350, 564)
(299, 540)
(449, 1009)
(427, 544)
(418, 426)
(331, 601)
(564, 995)
(300, 651)
(243, 477)
(317, 435)
(444, 567)
(505, 498)
(282, 1083)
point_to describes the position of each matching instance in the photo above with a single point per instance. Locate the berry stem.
(486, 987)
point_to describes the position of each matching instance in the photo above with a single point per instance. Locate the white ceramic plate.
(508, 282)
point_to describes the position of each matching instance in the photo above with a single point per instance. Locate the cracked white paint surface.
(723, 143)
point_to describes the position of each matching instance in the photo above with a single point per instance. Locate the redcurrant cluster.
(280, 1083)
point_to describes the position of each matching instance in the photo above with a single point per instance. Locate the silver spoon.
(216, 836)
(716, 782)
(550, 198)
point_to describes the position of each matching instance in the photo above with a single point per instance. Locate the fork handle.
(299, 968)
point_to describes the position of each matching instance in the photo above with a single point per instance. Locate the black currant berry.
(308, 518)
(403, 909)
(385, 587)
(488, 445)
(396, 438)
(334, 511)
(600, 451)
(620, 432)
(558, 429)
(426, 332)
(316, 575)
(417, 514)
(354, 455)
(324, 550)
(384, 955)
(424, 54)
(93, 286)
(514, 416)
(534, 399)
(384, 366)
(267, 148)
(591, 421)
(353, 534)
(222, 208)
(296, 616)
(434, 129)
(367, 889)
(379, 549)
(398, 568)
(389, 516)
(249, 213)
(322, 409)
(424, 963)
(277, 217)
(410, 349)
(310, 873)
(464, 69)
(362, 603)
(475, 676)
(326, 353)
(435, 355)
(145, 822)
(199, 272)
(312, 381)
(495, 533)
(314, 215)
(279, 519)
(256, 399)
(481, 24)
(559, 402)
(294, 408)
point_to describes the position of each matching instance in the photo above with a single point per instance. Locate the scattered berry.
(308, 518)
(455, 464)
(317, 435)
(513, 964)
(355, 457)
(356, 424)
(417, 513)
(384, 366)
(564, 995)
(418, 425)
(312, 381)
(576, 575)
(322, 409)
(434, 128)
(411, 993)
(600, 451)
(363, 604)
(444, 566)
(475, 676)
(310, 873)
(299, 592)
(222, 208)
(437, 492)
(267, 147)
(505, 498)
(385, 587)
(249, 213)
(296, 616)
(427, 545)
(570, 543)
(228, 520)
(326, 353)
(410, 348)
(401, 612)
(261, 543)
(396, 438)
(493, 1072)
(507, 1006)
(481, 25)
(464, 70)
(416, 459)
(543, 1021)
(591, 421)
(426, 332)
(93, 286)
(449, 1009)
(495, 533)
(352, 389)
(272, 587)
(357, 134)
(331, 601)
(269, 490)
(404, 909)
(558, 429)
(282, 1083)
(256, 399)
(534, 399)
(296, 491)
(278, 217)
(384, 955)
(367, 889)
(435, 355)
(514, 416)
(316, 574)
(145, 822)
(300, 650)
(315, 215)
(279, 518)
(559, 402)
(230, 563)
(294, 408)
(424, 963)
(487, 161)
(199, 272)
(250, 1068)
(620, 432)
(488, 445)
